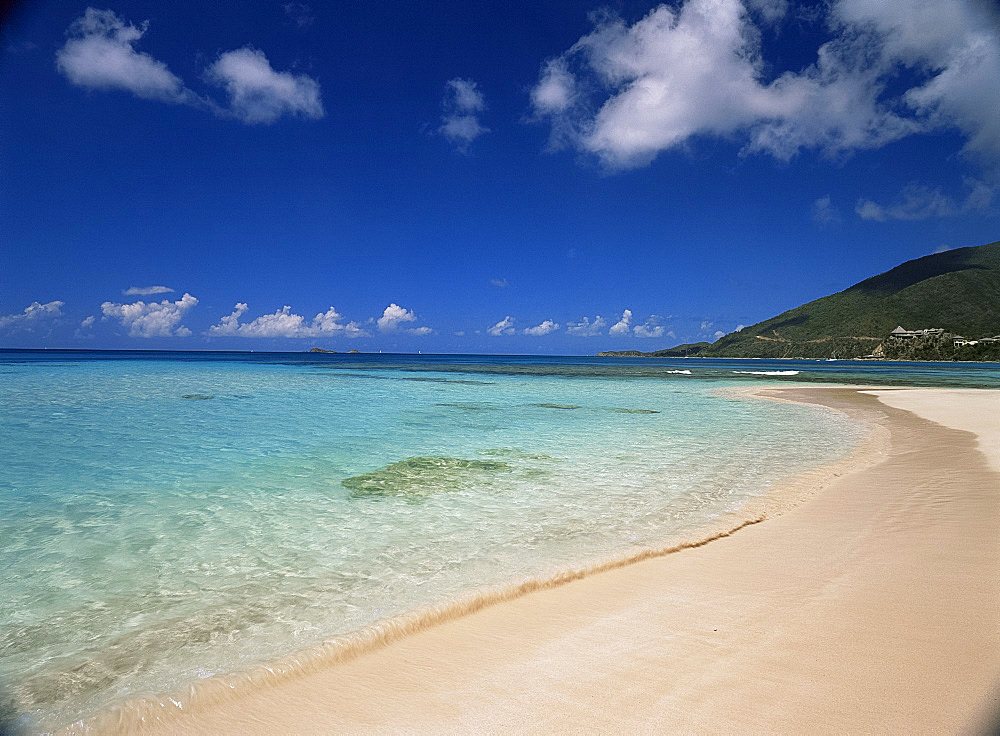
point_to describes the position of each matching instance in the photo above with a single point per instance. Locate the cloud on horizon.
(35, 314)
(586, 328)
(622, 326)
(395, 315)
(503, 327)
(545, 328)
(627, 92)
(650, 328)
(100, 54)
(153, 319)
(284, 323)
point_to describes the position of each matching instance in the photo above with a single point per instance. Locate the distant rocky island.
(332, 352)
(951, 300)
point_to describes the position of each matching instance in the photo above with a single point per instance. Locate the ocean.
(166, 517)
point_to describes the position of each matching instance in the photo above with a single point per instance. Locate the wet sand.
(873, 606)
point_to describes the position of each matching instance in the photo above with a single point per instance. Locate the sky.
(550, 176)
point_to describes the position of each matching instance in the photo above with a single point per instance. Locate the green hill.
(958, 290)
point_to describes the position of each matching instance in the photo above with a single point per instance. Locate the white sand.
(972, 410)
(872, 607)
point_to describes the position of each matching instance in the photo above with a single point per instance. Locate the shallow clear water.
(166, 518)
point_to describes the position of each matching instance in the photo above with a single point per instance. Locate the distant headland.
(950, 301)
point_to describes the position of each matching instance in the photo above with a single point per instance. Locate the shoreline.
(230, 708)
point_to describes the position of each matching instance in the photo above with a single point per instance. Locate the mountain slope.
(958, 290)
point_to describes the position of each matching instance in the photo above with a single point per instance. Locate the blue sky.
(520, 177)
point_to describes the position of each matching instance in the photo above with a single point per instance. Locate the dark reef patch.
(416, 477)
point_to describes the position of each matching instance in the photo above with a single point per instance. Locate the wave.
(770, 373)
(681, 372)
(138, 714)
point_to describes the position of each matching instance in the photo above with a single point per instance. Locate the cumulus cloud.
(153, 319)
(463, 104)
(700, 70)
(258, 93)
(146, 290)
(100, 54)
(622, 326)
(395, 315)
(284, 323)
(88, 322)
(503, 327)
(34, 314)
(651, 328)
(825, 212)
(586, 328)
(542, 329)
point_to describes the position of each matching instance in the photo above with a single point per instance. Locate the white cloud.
(393, 316)
(622, 326)
(34, 314)
(957, 42)
(463, 104)
(556, 89)
(770, 11)
(146, 290)
(155, 319)
(586, 328)
(284, 323)
(651, 328)
(100, 54)
(85, 330)
(542, 329)
(699, 70)
(825, 212)
(919, 202)
(258, 93)
(718, 334)
(503, 327)
(500, 283)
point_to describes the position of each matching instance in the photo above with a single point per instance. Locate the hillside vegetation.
(958, 290)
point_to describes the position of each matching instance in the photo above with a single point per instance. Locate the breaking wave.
(769, 373)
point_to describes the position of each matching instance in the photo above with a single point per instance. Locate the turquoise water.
(165, 518)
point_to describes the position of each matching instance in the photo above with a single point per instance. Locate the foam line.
(134, 715)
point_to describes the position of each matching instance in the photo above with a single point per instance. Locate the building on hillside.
(903, 333)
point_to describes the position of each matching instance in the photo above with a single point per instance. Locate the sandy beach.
(871, 607)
